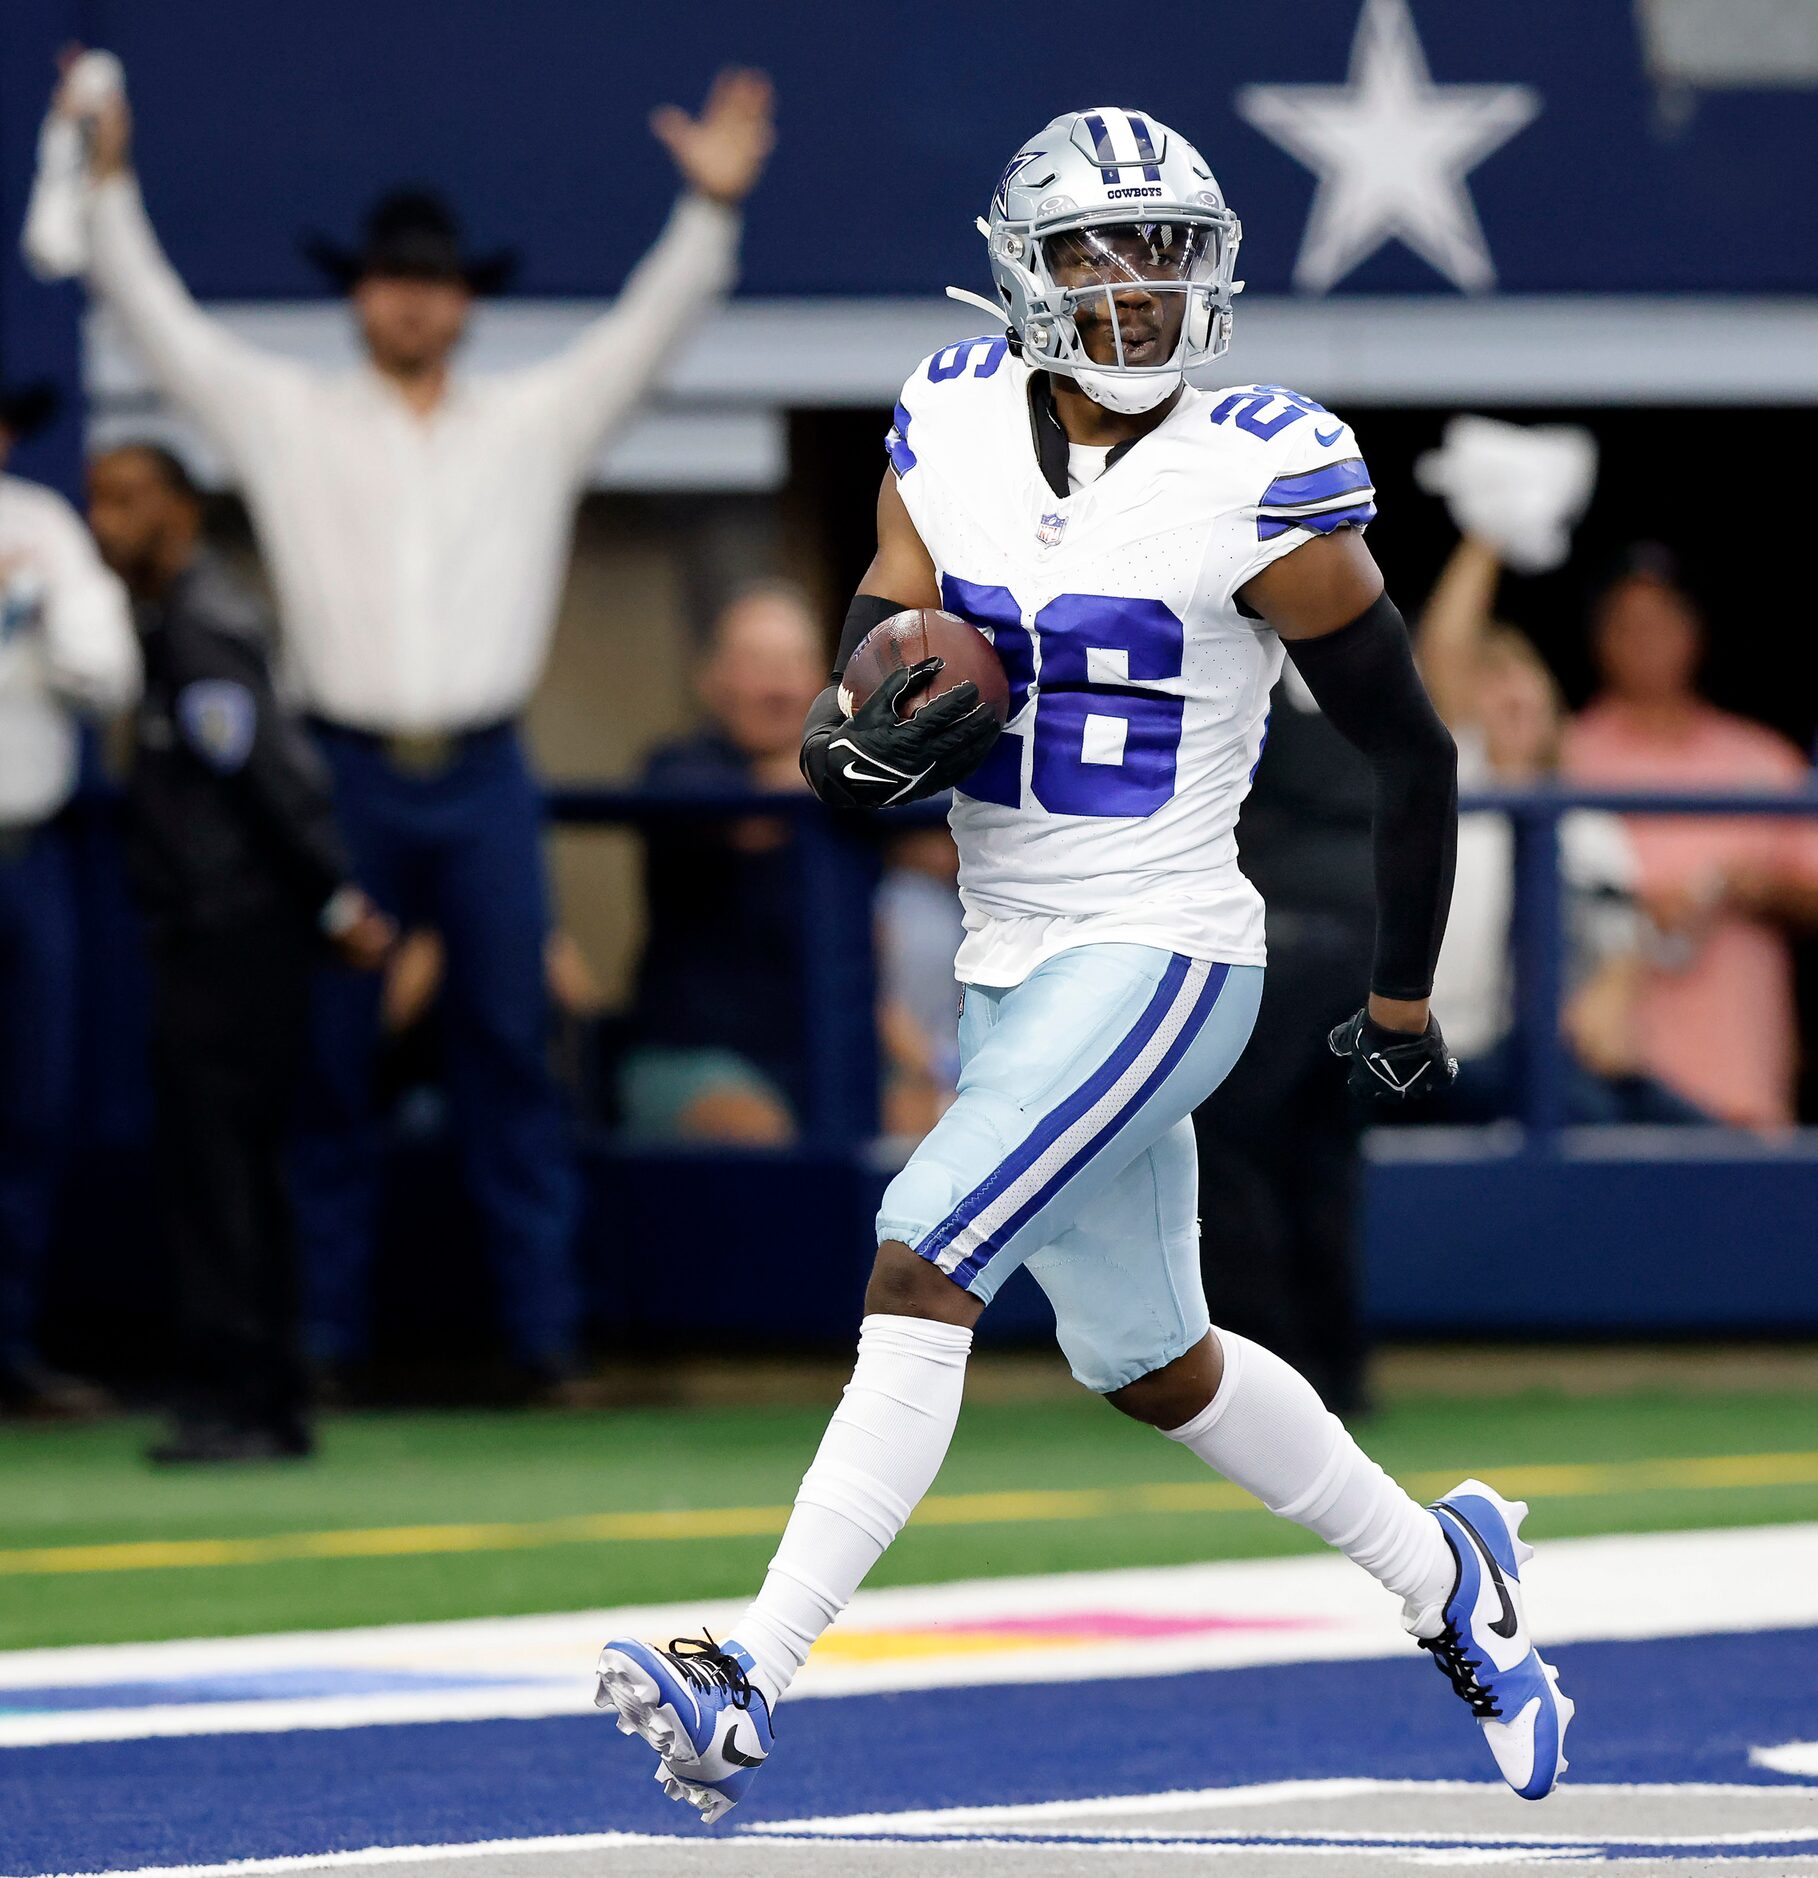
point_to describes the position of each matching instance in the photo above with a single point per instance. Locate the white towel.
(55, 240)
(1521, 488)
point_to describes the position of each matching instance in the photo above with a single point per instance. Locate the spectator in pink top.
(1716, 1015)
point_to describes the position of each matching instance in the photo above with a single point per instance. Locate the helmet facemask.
(1125, 306)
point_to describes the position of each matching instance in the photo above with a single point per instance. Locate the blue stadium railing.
(839, 864)
(1537, 935)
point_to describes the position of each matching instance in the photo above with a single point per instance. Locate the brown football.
(925, 633)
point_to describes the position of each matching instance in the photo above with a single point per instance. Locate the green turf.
(85, 1486)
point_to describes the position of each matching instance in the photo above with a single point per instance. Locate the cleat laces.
(700, 1662)
(1460, 1670)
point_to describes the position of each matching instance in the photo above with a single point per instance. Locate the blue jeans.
(1069, 1148)
(459, 851)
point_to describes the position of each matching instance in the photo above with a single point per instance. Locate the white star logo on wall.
(1391, 150)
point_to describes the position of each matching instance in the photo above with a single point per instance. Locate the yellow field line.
(1544, 1481)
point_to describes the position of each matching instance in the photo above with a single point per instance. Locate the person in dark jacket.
(718, 1023)
(242, 876)
(1278, 1140)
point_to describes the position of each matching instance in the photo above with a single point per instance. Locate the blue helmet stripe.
(1107, 155)
(1145, 146)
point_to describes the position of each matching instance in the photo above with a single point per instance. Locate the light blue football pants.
(1069, 1148)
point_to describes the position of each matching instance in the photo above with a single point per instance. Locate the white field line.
(913, 1829)
(1302, 1609)
(735, 1849)
(1795, 1757)
(1055, 1813)
(390, 1855)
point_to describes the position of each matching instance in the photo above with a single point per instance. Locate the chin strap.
(967, 297)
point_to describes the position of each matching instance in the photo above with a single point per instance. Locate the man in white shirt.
(66, 646)
(415, 522)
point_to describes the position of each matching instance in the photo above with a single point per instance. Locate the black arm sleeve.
(282, 774)
(866, 611)
(1364, 679)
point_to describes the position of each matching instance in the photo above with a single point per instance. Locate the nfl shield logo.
(1050, 528)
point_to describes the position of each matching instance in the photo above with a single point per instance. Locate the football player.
(1142, 553)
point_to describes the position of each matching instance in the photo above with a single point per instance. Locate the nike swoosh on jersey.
(1326, 442)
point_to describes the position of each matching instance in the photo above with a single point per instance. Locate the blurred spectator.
(1716, 1018)
(718, 1026)
(241, 873)
(415, 523)
(919, 929)
(1278, 1139)
(1504, 707)
(66, 645)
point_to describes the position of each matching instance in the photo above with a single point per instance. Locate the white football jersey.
(1139, 693)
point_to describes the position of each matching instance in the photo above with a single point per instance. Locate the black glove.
(1392, 1066)
(875, 758)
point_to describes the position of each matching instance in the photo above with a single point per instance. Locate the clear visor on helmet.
(1116, 254)
(1139, 296)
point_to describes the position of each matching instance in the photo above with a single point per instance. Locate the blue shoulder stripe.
(1320, 522)
(1322, 484)
(902, 458)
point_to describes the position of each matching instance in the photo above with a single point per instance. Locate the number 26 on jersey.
(1102, 746)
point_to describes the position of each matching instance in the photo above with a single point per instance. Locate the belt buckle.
(422, 753)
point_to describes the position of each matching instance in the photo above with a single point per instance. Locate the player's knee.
(1171, 1396)
(920, 1196)
(904, 1284)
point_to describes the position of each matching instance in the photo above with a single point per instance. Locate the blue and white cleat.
(1479, 1639)
(694, 1704)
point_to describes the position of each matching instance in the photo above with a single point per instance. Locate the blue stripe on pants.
(1043, 1137)
(1069, 1148)
(1203, 1005)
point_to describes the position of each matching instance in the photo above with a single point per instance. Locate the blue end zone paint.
(1686, 1709)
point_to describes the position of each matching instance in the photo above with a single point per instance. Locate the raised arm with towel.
(415, 523)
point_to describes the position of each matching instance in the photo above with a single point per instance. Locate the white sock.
(1267, 1430)
(878, 1457)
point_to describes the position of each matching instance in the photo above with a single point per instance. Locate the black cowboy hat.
(411, 233)
(26, 409)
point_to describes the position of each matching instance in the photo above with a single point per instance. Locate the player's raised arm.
(1347, 638)
(875, 757)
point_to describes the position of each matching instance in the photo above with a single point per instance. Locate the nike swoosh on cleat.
(730, 1751)
(1505, 1626)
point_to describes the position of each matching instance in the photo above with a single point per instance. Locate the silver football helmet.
(1105, 208)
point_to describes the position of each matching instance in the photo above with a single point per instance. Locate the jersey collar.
(1050, 437)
